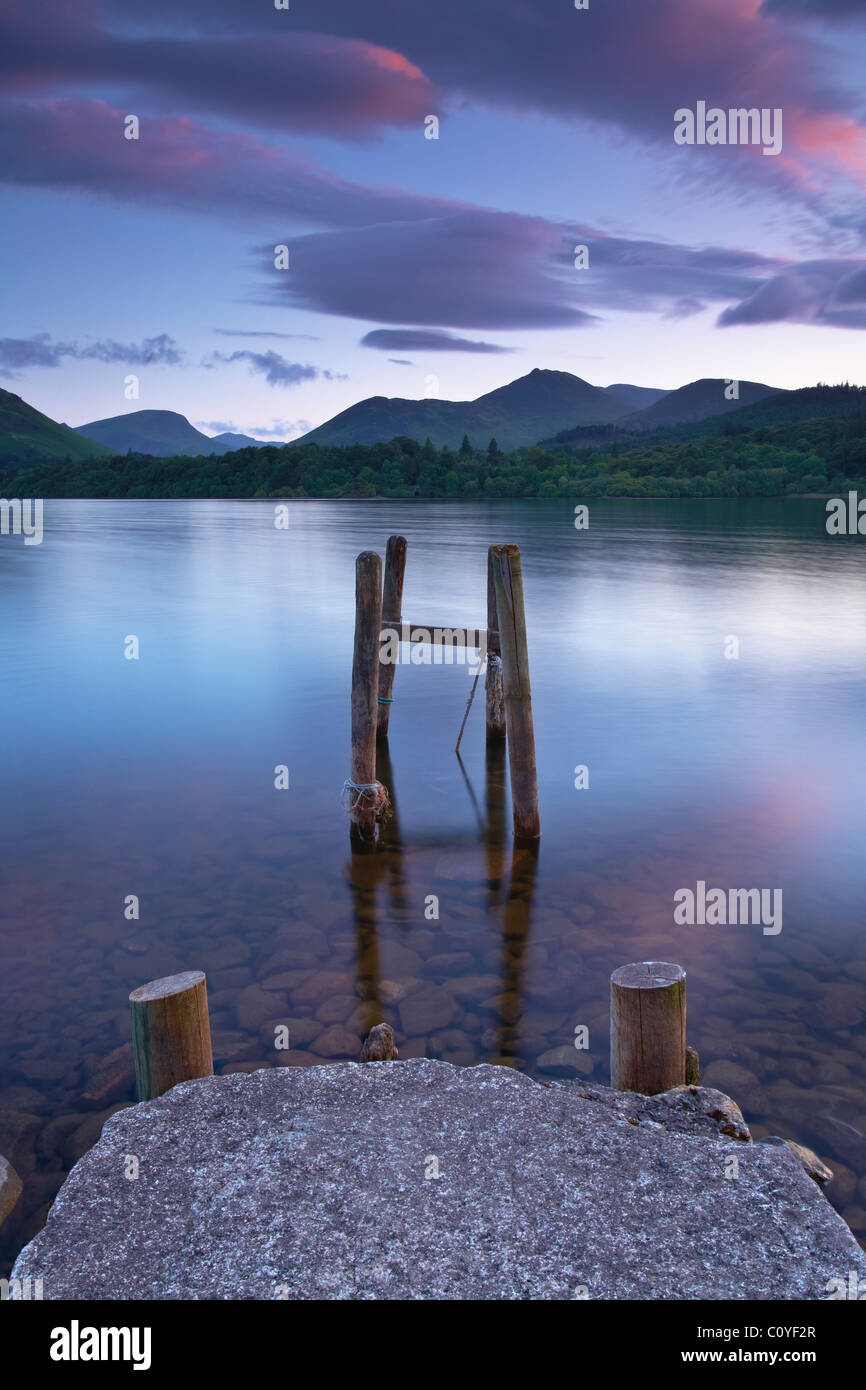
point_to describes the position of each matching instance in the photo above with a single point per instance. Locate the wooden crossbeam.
(435, 634)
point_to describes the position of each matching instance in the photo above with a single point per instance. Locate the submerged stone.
(10, 1188)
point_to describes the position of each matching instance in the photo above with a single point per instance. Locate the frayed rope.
(371, 792)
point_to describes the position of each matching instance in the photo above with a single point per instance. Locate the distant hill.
(635, 397)
(28, 436)
(240, 441)
(784, 407)
(162, 433)
(696, 401)
(777, 408)
(514, 415)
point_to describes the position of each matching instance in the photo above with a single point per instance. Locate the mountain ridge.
(514, 414)
(160, 433)
(518, 415)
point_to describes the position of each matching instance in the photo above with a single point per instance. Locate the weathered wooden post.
(170, 1032)
(495, 717)
(366, 795)
(392, 610)
(511, 624)
(648, 1027)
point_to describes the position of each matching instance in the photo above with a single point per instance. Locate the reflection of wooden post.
(170, 1032)
(508, 579)
(364, 874)
(365, 686)
(392, 608)
(648, 1027)
(494, 839)
(493, 679)
(518, 918)
(390, 844)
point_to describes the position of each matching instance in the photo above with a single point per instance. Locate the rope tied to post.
(374, 793)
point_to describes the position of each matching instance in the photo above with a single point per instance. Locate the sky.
(421, 266)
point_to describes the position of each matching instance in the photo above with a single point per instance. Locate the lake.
(705, 662)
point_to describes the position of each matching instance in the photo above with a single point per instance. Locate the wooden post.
(365, 686)
(511, 622)
(170, 1032)
(648, 1027)
(495, 720)
(392, 610)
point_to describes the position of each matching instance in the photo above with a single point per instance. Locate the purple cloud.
(410, 260)
(424, 340)
(629, 64)
(282, 79)
(39, 351)
(276, 370)
(76, 143)
(263, 333)
(831, 293)
(475, 269)
(485, 269)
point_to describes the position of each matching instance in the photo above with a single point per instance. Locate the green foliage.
(28, 437)
(804, 455)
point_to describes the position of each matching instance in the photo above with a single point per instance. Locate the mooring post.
(365, 793)
(511, 625)
(495, 720)
(170, 1032)
(392, 611)
(648, 1027)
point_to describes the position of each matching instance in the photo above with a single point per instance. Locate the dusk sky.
(413, 257)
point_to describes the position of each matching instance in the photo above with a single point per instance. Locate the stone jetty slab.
(423, 1180)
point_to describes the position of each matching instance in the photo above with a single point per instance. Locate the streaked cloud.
(425, 340)
(41, 351)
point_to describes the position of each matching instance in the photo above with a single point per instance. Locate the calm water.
(156, 778)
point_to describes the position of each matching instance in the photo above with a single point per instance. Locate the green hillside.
(27, 436)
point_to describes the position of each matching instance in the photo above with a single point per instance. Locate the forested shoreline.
(804, 456)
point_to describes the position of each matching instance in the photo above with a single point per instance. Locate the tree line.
(802, 456)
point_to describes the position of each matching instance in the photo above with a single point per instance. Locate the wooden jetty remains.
(502, 648)
(170, 1032)
(648, 1027)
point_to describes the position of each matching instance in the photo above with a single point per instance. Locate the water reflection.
(156, 778)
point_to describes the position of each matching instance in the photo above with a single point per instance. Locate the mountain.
(787, 407)
(635, 397)
(696, 401)
(161, 433)
(517, 414)
(239, 441)
(780, 407)
(28, 436)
